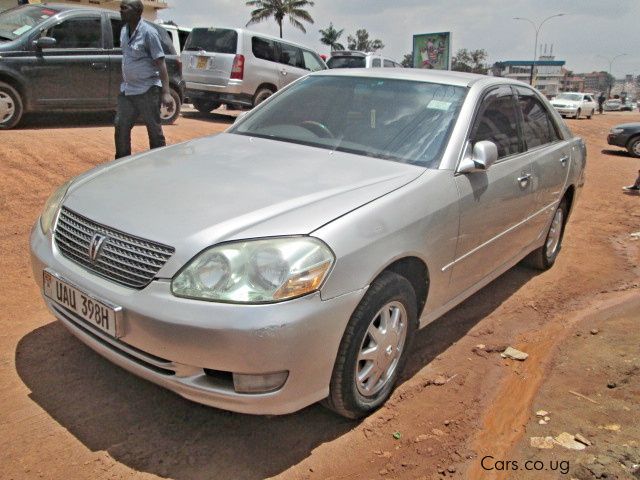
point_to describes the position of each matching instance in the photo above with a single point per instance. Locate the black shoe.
(631, 188)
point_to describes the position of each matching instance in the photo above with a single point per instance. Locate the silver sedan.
(292, 258)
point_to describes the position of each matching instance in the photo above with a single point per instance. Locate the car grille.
(121, 258)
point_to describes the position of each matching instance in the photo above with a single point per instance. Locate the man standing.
(601, 100)
(145, 81)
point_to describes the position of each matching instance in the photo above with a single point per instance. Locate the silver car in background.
(241, 68)
(292, 258)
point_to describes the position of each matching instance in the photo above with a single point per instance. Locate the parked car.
(238, 67)
(627, 106)
(626, 136)
(178, 35)
(68, 58)
(575, 104)
(356, 59)
(297, 253)
(612, 105)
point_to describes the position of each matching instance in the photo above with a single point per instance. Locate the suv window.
(346, 62)
(263, 48)
(217, 40)
(77, 33)
(290, 55)
(375, 62)
(496, 122)
(165, 36)
(537, 126)
(116, 26)
(311, 62)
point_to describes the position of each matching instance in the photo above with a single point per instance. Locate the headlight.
(617, 130)
(256, 271)
(52, 206)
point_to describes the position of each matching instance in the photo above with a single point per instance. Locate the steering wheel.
(317, 128)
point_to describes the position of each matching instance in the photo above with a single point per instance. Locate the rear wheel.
(544, 257)
(578, 113)
(205, 106)
(261, 95)
(168, 115)
(591, 114)
(374, 347)
(633, 147)
(11, 107)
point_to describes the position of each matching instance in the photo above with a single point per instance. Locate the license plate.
(97, 312)
(202, 63)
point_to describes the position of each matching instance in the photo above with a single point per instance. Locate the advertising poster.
(432, 50)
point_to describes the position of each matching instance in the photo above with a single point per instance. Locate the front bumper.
(571, 112)
(231, 93)
(170, 341)
(618, 139)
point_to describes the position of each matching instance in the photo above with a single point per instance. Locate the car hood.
(199, 193)
(629, 126)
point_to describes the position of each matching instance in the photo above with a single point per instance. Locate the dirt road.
(65, 413)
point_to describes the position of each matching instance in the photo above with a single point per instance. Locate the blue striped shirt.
(139, 51)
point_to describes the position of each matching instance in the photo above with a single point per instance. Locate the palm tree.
(330, 37)
(278, 9)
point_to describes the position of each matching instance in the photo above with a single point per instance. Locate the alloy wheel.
(555, 233)
(7, 107)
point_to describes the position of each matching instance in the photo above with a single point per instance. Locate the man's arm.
(164, 78)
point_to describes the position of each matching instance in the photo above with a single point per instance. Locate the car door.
(494, 203)
(590, 105)
(290, 65)
(73, 73)
(549, 154)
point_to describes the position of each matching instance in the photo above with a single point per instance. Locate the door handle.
(564, 160)
(524, 180)
(98, 66)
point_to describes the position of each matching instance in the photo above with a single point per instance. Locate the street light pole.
(537, 29)
(611, 60)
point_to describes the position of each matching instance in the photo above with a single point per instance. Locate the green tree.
(361, 42)
(330, 36)
(470, 61)
(278, 9)
(407, 60)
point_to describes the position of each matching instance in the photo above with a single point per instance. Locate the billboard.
(432, 50)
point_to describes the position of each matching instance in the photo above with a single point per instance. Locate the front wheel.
(633, 147)
(168, 115)
(374, 347)
(590, 115)
(544, 257)
(11, 107)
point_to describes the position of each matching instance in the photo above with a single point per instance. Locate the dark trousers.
(130, 107)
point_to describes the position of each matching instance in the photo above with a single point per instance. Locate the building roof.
(527, 63)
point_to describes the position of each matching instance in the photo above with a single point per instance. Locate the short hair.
(136, 4)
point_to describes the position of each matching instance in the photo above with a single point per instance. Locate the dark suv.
(66, 58)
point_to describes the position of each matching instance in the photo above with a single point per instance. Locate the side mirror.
(45, 42)
(484, 155)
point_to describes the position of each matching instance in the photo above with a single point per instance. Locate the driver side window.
(77, 33)
(496, 122)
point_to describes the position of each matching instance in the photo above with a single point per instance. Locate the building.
(571, 82)
(595, 81)
(548, 77)
(151, 7)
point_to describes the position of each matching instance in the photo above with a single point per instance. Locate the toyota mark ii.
(292, 258)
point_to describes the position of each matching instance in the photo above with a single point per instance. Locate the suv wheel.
(205, 106)
(261, 95)
(168, 115)
(11, 107)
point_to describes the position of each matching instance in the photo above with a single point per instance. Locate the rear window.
(346, 62)
(18, 21)
(216, 40)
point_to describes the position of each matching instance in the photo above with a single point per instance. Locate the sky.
(590, 30)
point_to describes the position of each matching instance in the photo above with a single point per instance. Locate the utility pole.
(537, 29)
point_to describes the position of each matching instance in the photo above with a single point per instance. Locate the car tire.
(633, 146)
(169, 117)
(11, 106)
(590, 115)
(388, 311)
(261, 95)
(578, 113)
(544, 257)
(205, 106)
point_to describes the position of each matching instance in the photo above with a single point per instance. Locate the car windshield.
(346, 62)
(569, 96)
(18, 21)
(401, 120)
(216, 40)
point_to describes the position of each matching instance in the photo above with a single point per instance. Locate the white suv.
(356, 59)
(575, 104)
(241, 68)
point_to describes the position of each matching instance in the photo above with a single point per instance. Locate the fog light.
(259, 383)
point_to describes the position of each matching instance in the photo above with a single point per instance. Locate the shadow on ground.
(616, 153)
(150, 429)
(49, 120)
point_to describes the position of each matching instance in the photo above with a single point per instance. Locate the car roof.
(244, 31)
(448, 77)
(63, 7)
